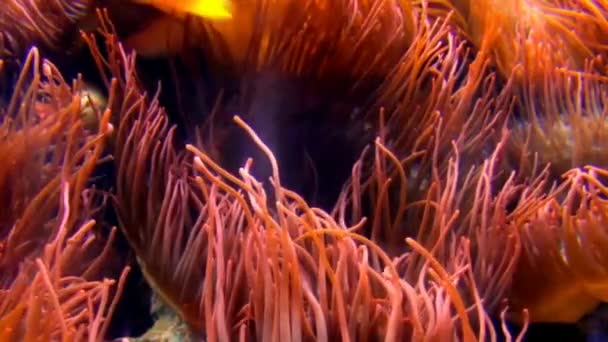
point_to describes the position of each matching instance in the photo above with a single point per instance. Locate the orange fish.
(212, 9)
(168, 34)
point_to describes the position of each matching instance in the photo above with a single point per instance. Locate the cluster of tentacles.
(480, 194)
(56, 263)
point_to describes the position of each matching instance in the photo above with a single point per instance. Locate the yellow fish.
(212, 9)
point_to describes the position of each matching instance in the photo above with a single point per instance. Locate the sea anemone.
(565, 34)
(293, 71)
(562, 273)
(232, 262)
(54, 257)
(563, 123)
(464, 124)
(26, 23)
